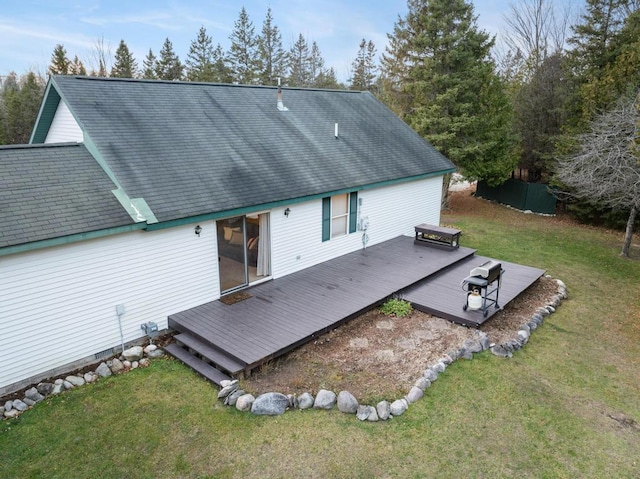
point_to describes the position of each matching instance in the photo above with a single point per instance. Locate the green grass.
(545, 413)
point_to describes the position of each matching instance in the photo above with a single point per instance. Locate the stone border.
(131, 358)
(273, 403)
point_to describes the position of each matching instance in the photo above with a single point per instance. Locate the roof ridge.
(200, 83)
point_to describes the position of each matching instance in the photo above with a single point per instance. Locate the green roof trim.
(45, 115)
(288, 202)
(62, 240)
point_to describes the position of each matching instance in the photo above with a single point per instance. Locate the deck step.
(212, 354)
(197, 364)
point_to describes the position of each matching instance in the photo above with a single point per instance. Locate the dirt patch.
(377, 356)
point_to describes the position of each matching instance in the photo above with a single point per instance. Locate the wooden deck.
(286, 312)
(442, 295)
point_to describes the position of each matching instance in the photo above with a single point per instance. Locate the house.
(138, 199)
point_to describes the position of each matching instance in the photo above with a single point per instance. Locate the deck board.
(442, 294)
(287, 311)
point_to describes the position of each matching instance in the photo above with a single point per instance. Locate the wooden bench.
(431, 235)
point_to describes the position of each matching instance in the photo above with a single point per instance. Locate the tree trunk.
(628, 234)
(444, 201)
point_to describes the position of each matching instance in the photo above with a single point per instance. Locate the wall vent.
(104, 354)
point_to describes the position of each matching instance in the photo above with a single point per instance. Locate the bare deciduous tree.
(607, 166)
(536, 29)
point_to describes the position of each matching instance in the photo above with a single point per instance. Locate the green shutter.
(353, 212)
(326, 218)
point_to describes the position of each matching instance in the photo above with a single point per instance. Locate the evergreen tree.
(168, 65)
(440, 78)
(327, 79)
(364, 67)
(272, 54)
(605, 60)
(244, 59)
(316, 66)
(149, 66)
(59, 61)
(221, 71)
(299, 59)
(125, 65)
(77, 67)
(200, 59)
(20, 107)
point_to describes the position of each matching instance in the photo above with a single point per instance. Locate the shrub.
(396, 307)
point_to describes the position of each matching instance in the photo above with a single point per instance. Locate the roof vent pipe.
(281, 106)
(336, 131)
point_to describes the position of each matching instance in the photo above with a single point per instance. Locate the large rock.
(228, 389)
(11, 413)
(134, 353)
(383, 408)
(45, 388)
(347, 403)
(90, 377)
(422, 383)
(414, 394)
(270, 404)
(244, 402)
(75, 380)
(33, 394)
(430, 374)
(232, 398)
(155, 354)
(103, 370)
(398, 407)
(117, 366)
(305, 401)
(325, 399)
(439, 367)
(366, 413)
(8, 406)
(19, 405)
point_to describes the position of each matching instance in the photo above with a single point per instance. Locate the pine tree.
(604, 47)
(244, 59)
(364, 67)
(59, 61)
(20, 105)
(316, 65)
(199, 62)
(77, 67)
(168, 66)
(440, 78)
(299, 59)
(149, 66)
(221, 71)
(272, 54)
(125, 65)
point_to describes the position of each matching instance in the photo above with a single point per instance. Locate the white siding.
(58, 305)
(392, 211)
(64, 127)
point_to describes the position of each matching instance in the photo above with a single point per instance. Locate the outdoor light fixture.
(198, 230)
(287, 212)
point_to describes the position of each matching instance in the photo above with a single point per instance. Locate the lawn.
(568, 405)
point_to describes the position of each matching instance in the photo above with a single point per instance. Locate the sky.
(29, 30)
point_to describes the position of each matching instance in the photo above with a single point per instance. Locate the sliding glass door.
(243, 250)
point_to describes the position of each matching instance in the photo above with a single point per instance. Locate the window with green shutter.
(339, 215)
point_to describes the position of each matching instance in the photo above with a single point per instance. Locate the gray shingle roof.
(48, 191)
(193, 148)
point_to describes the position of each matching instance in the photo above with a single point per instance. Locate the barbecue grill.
(483, 287)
